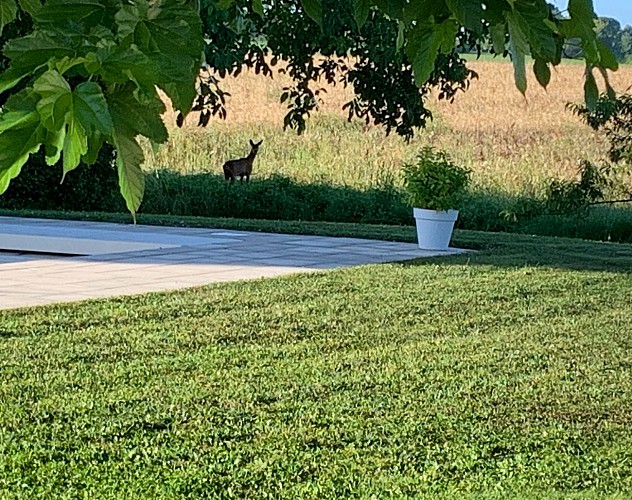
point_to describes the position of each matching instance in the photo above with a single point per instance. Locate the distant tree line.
(618, 39)
(610, 32)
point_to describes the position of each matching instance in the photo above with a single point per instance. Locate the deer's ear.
(252, 144)
(260, 143)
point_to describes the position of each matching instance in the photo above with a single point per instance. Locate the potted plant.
(435, 186)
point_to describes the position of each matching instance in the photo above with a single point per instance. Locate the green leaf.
(497, 33)
(55, 99)
(143, 118)
(361, 11)
(469, 13)
(129, 158)
(71, 116)
(122, 63)
(424, 43)
(314, 10)
(75, 144)
(10, 78)
(170, 35)
(534, 23)
(257, 7)
(67, 63)
(8, 11)
(422, 49)
(54, 145)
(582, 25)
(20, 136)
(37, 49)
(70, 14)
(31, 7)
(542, 72)
(607, 58)
(591, 91)
(518, 47)
(583, 11)
(516, 34)
(95, 142)
(447, 32)
(91, 109)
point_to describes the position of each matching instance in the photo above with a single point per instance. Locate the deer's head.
(255, 146)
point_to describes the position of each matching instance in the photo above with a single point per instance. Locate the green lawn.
(501, 374)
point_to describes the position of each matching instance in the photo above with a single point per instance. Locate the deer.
(243, 166)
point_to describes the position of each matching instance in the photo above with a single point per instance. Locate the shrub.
(575, 196)
(434, 182)
(89, 188)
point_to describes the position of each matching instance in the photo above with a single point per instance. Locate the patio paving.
(140, 259)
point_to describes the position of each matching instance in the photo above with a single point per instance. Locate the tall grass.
(511, 143)
(351, 172)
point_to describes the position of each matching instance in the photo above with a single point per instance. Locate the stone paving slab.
(194, 257)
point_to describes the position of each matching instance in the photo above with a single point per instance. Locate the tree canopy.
(79, 73)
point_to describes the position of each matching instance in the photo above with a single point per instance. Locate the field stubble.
(511, 143)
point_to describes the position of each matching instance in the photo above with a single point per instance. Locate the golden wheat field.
(509, 142)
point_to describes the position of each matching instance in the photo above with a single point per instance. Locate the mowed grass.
(505, 373)
(511, 143)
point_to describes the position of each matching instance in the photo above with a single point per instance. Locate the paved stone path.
(141, 259)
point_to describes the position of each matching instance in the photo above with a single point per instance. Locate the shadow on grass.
(274, 198)
(281, 198)
(518, 250)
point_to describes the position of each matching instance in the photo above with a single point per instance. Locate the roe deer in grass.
(243, 166)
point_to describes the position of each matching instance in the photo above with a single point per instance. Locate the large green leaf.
(75, 143)
(497, 33)
(582, 25)
(533, 21)
(131, 118)
(518, 46)
(313, 9)
(10, 78)
(257, 7)
(71, 116)
(607, 59)
(447, 32)
(37, 49)
(142, 118)
(129, 158)
(583, 11)
(361, 11)
(542, 72)
(123, 63)
(424, 43)
(170, 35)
(55, 99)
(8, 11)
(31, 7)
(71, 14)
(469, 13)
(54, 143)
(91, 109)
(20, 136)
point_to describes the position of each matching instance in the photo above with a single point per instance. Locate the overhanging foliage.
(87, 71)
